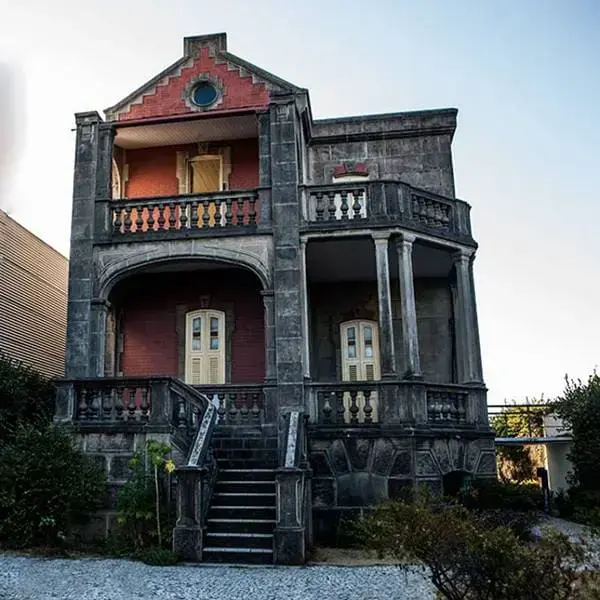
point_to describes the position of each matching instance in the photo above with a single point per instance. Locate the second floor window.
(205, 174)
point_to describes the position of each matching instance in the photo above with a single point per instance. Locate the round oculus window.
(204, 94)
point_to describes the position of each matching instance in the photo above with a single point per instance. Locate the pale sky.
(524, 75)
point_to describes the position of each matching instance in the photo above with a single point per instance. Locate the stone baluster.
(130, 393)
(255, 408)
(194, 222)
(319, 208)
(239, 219)
(144, 403)
(353, 410)
(117, 222)
(331, 208)
(338, 399)
(82, 406)
(183, 209)
(252, 211)
(228, 212)
(344, 205)
(139, 218)
(233, 410)
(326, 406)
(356, 206)
(218, 213)
(119, 408)
(161, 216)
(127, 219)
(150, 219)
(222, 407)
(172, 216)
(368, 409)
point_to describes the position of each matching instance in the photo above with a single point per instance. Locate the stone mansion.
(288, 302)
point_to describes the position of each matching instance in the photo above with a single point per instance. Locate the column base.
(187, 543)
(289, 546)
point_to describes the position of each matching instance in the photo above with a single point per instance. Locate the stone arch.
(115, 265)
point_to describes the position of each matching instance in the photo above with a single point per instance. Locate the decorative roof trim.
(217, 47)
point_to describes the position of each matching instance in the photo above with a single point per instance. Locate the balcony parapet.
(410, 403)
(189, 215)
(385, 203)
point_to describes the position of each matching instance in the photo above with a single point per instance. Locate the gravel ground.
(27, 578)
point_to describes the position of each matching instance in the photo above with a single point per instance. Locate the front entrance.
(205, 347)
(360, 362)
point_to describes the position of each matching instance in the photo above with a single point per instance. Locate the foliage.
(579, 408)
(486, 494)
(519, 463)
(468, 557)
(25, 395)
(157, 556)
(46, 486)
(142, 503)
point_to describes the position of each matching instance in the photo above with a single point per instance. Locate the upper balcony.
(384, 203)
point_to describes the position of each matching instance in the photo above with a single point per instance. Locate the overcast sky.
(523, 74)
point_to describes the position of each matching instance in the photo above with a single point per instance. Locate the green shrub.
(47, 487)
(490, 494)
(468, 558)
(157, 556)
(25, 395)
(143, 503)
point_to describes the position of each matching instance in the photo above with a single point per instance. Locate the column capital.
(267, 293)
(380, 236)
(463, 255)
(101, 303)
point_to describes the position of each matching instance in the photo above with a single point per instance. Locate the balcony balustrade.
(384, 203)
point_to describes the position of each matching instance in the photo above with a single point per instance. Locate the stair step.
(252, 443)
(258, 454)
(246, 464)
(243, 498)
(245, 474)
(240, 539)
(243, 512)
(237, 555)
(236, 526)
(244, 487)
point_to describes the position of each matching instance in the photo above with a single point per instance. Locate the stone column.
(386, 328)
(305, 318)
(97, 348)
(467, 334)
(264, 170)
(82, 236)
(410, 334)
(270, 355)
(287, 262)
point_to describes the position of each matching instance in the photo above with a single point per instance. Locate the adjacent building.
(33, 299)
(288, 301)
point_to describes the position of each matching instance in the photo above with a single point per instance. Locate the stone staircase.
(241, 516)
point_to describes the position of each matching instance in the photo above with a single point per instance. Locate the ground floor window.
(205, 347)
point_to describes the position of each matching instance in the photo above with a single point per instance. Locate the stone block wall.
(353, 473)
(112, 451)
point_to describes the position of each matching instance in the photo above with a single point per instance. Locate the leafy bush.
(469, 558)
(143, 502)
(157, 556)
(25, 395)
(490, 494)
(46, 486)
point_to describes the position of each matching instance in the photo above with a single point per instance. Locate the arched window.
(205, 347)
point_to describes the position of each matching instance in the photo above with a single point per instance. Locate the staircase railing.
(292, 535)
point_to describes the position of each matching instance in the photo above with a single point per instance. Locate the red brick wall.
(238, 92)
(149, 323)
(152, 171)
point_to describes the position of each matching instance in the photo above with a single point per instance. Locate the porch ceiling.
(187, 132)
(354, 260)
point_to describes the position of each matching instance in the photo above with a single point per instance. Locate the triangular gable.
(242, 85)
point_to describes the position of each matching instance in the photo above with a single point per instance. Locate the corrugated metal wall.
(33, 299)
